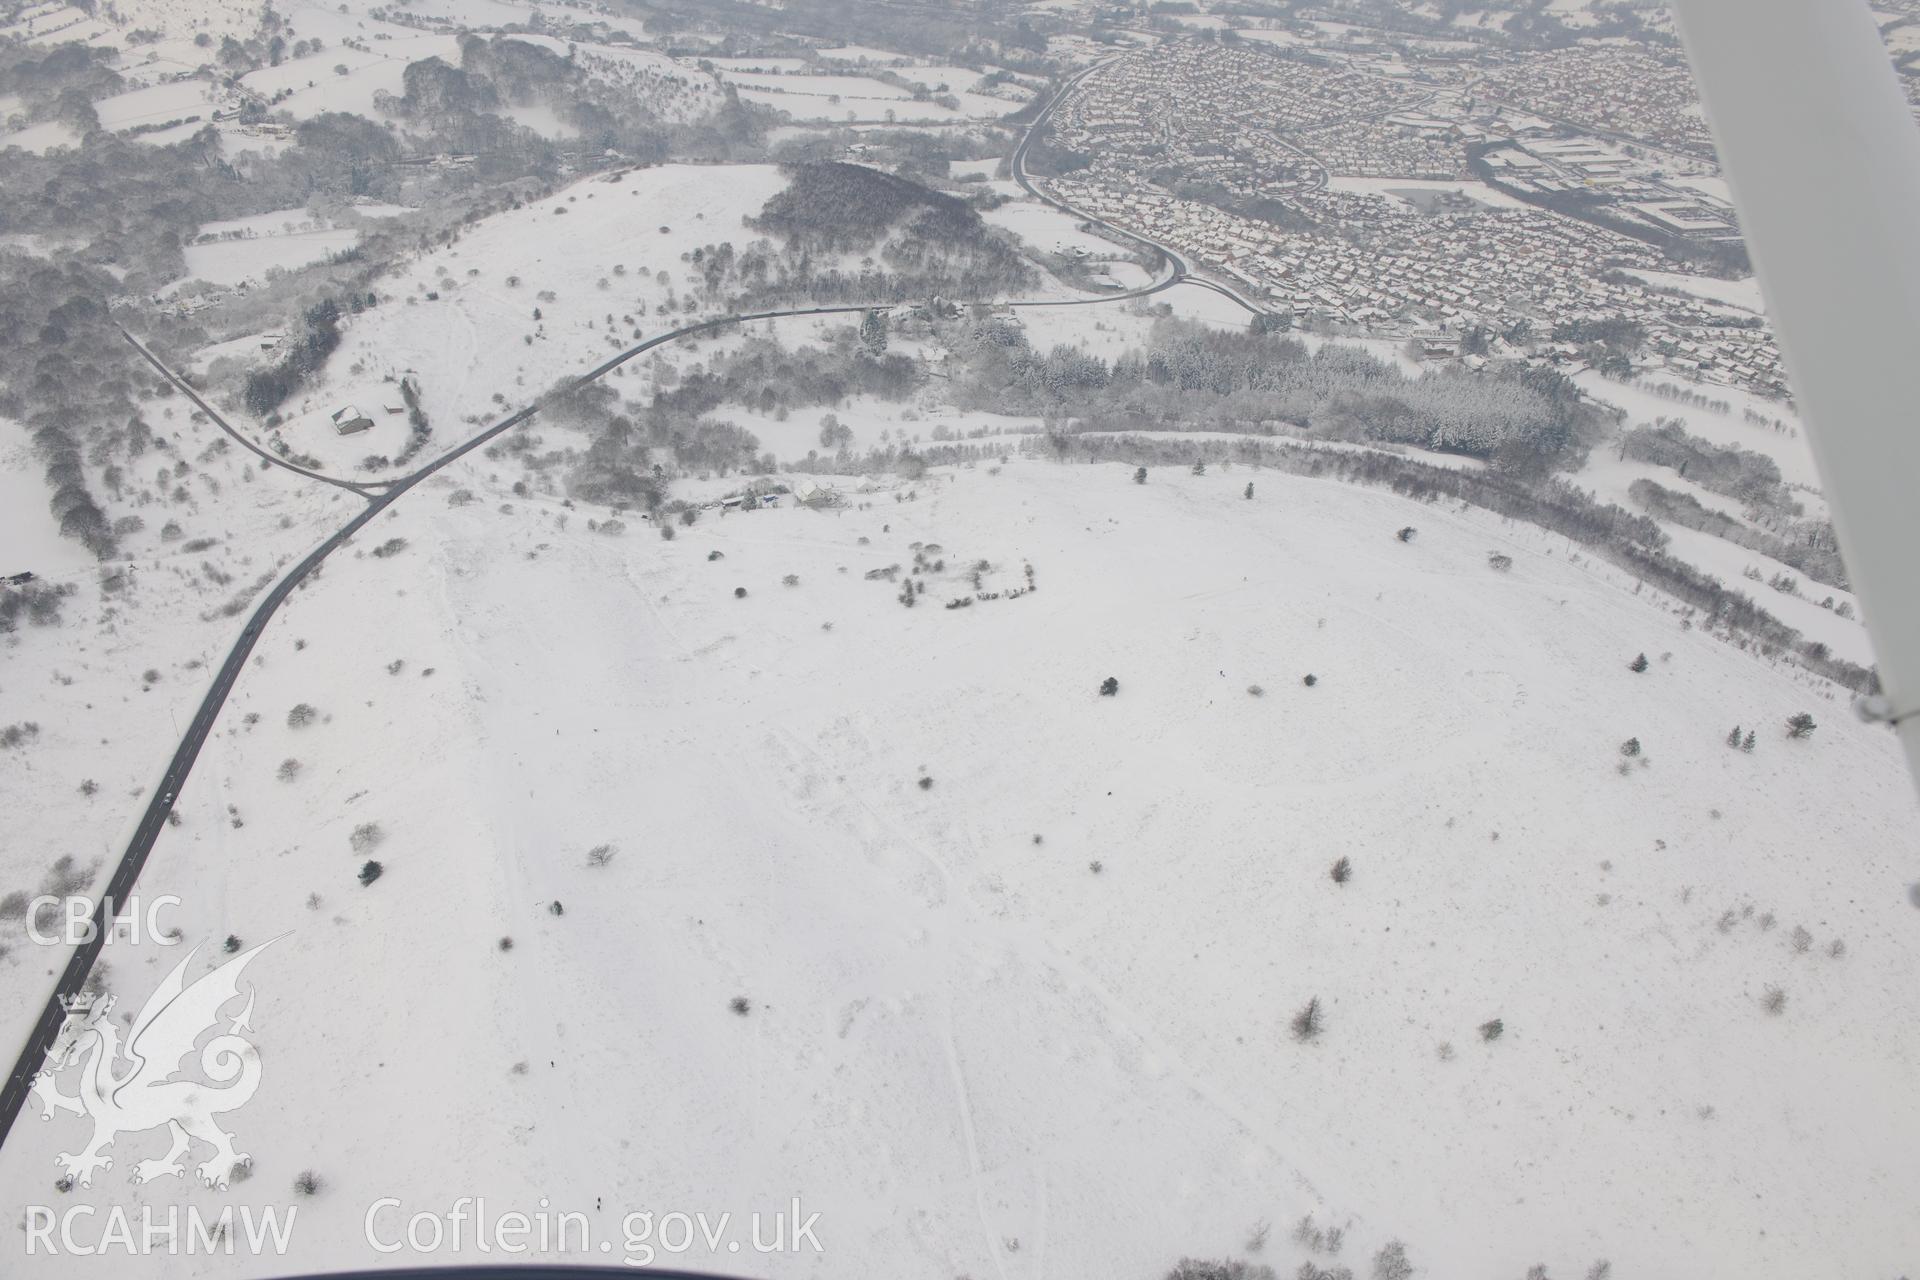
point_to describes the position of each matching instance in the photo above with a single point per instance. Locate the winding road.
(379, 496)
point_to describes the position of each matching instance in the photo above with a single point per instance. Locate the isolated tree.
(1746, 743)
(1342, 870)
(1391, 1262)
(1199, 468)
(1310, 680)
(1109, 686)
(873, 333)
(1800, 725)
(1139, 475)
(370, 872)
(1308, 1023)
(1631, 747)
(1406, 534)
(1733, 737)
(1638, 665)
(1492, 1029)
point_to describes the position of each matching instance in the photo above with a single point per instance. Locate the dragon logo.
(131, 1087)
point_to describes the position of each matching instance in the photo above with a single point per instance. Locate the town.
(1510, 229)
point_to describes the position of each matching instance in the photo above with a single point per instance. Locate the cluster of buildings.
(1226, 115)
(1429, 263)
(1405, 144)
(1609, 88)
(1379, 267)
(1629, 185)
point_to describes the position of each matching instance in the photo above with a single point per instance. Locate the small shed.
(347, 420)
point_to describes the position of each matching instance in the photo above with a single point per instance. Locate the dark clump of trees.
(1741, 474)
(67, 376)
(1800, 725)
(38, 602)
(1220, 1269)
(1808, 545)
(919, 242)
(835, 207)
(1191, 378)
(371, 871)
(267, 389)
(1109, 686)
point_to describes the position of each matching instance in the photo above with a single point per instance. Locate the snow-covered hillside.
(461, 321)
(1020, 961)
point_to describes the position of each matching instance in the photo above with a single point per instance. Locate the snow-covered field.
(844, 97)
(29, 535)
(1049, 230)
(160, 104)
(112, 685)
(1744, 293)
(1391, 188)
(42, 138)
(1643, 405)
(470, 344)
(971, 1052)
(713, 880)
(283, 239)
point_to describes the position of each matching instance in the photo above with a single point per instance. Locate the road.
(1179, 271)
(153, 821)
(364, 491)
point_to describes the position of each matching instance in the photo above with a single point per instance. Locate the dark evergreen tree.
(1639, 664)
(873, 333)
(1733, 738)
(1308, 1023)
(1139, 475)
(1746, 743)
